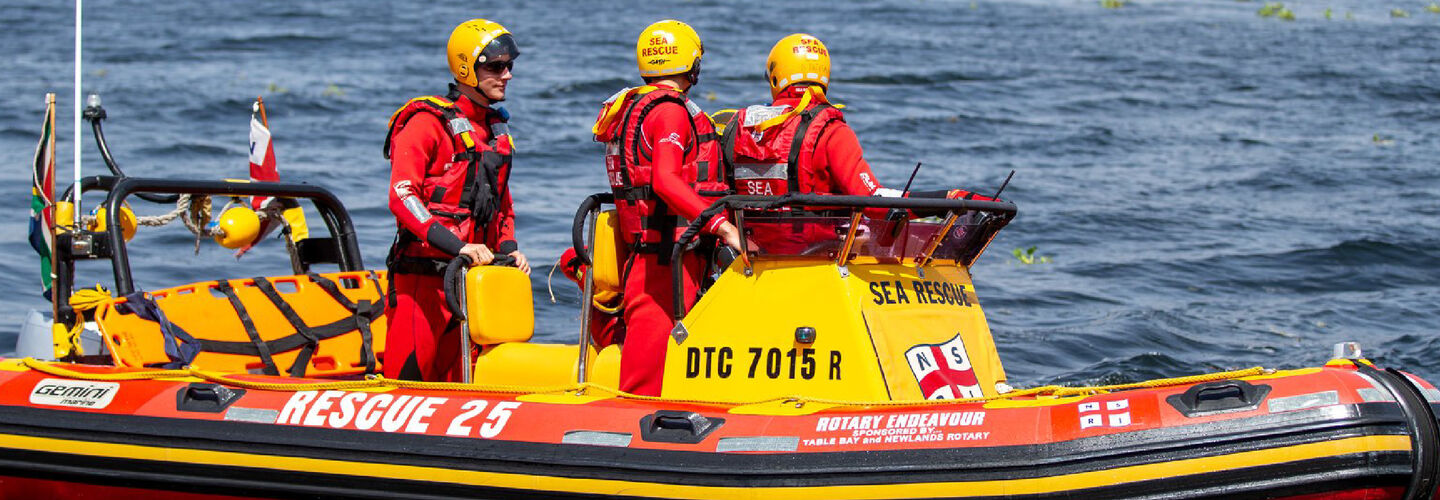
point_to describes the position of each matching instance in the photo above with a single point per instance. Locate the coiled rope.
(67, 342)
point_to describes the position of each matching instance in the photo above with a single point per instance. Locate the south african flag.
(42, 197)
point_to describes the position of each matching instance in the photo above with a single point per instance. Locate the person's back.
(800, 141)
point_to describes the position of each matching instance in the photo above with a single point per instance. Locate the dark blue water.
(1214, 189)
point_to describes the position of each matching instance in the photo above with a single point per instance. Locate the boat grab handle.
(206, 398)
(1222, 396)
(670, 426)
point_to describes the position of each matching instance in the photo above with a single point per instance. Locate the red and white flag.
(262, 154)
(263, 169)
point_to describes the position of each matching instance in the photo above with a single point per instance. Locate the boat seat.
(499, 305)
(342, 315)
(500, 312)
(605, 367)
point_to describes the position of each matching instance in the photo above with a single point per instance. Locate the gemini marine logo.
(72, 393)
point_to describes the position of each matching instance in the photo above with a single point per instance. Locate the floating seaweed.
(1027, 256)
(1276, 9)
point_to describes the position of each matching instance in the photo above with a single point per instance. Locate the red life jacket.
(646, 224)
(465, 195)
(777, 160)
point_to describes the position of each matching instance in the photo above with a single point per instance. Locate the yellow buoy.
(64, 214)
(127, 222)
(237, 227)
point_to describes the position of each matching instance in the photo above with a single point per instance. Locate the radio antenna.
(1003, 184)
(912, 179)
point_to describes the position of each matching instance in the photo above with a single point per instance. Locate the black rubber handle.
(577, 228)
(454, 272)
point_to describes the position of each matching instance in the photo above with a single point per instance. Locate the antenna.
(896, 216)
(76, 189)
(1003, 184)
(912, 179)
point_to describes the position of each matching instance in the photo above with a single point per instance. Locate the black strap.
(288, 342)
(297, 369)
(663, 221)
(360, 310)
(450, 215)
(259, 346)
(180, 346)
(488, 193)
(465, 153)
(727, 147)
(792, 172)
(634, 193)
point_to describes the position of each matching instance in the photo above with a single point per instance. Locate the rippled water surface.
(1214, 189)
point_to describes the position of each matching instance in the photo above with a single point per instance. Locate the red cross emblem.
(943, 370)
(1115, 414)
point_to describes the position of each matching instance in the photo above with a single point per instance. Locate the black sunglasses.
(498, 66)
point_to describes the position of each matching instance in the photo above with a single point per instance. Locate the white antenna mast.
(76, 189)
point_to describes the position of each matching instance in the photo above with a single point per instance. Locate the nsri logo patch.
(74, 393)
(943, 370)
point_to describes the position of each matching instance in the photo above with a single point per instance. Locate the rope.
(799, 401)
(550, 277)
(199, 215)
(67, 343)
(159, 220)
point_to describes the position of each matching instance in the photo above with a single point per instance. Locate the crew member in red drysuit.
(829, 160)
(658, 181)
(450, 168)
(800, 143)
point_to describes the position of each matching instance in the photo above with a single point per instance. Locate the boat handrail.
(1004, 210)
(332, 211)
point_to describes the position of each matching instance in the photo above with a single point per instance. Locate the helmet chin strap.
(473, 93)
(694, 74)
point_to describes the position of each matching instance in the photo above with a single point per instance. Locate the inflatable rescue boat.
(862, 366)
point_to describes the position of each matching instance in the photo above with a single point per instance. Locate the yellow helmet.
(667, 48)
(127, 221)
(238, 226)
(474, 42)
(797, 58)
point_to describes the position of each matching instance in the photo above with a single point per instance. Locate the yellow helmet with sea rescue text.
(667, 48)
(475, 42)
(797, 58)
